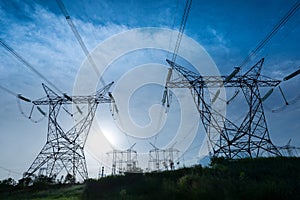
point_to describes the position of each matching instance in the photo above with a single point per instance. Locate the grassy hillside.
(66, 192)
(263, 178)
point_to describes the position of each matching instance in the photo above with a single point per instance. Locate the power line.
(289, 14)
(8, 91)
(182, 27)
(96, 159)
(10, 171)
(22, 60)
(167, 95)
(79, 39)
(173, 25)
(20, 97)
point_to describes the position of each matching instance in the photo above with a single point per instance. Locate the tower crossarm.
(53, 98)
(198, 81)
(75, 100)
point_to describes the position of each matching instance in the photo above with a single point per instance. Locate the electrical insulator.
(267, 95)
(23, 98)
(228, 78)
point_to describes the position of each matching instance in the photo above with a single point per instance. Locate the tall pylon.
(249, 139)
(253, 136)
(64, 150)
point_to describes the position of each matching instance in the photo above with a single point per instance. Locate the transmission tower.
(250, 138)
(64, 150)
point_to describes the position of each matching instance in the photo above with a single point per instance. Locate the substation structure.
(127, 161)
(64, 150)
(251, 137)
(124, 161)
(162, 159)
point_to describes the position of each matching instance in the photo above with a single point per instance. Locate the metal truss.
(250, 138)
(127, 157)
(64, 150)
(160, 159)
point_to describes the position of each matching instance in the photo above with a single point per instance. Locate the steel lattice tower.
(250, 138)
(64, 150)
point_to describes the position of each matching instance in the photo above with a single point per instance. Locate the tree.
(8, 181)
(69, 179)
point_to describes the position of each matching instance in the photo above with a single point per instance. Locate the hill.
(262, 178)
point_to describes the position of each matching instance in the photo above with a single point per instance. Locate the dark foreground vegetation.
(263, 178)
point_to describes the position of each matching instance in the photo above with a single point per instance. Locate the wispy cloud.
(48, 44)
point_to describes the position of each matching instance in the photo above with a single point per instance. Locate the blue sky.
(228, 31)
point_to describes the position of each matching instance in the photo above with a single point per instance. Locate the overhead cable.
(79, 39)
(8, 91)
(283, 21)
(29, 66)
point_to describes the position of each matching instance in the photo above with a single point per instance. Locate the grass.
(63, 193)
(262, 178)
